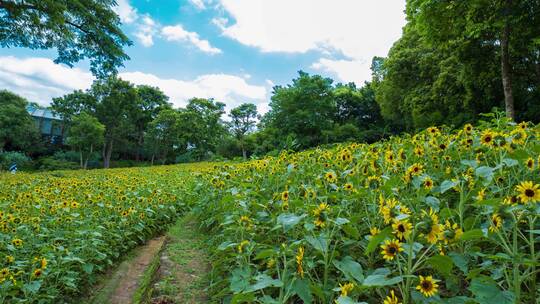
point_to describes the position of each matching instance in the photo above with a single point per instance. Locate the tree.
(302, 110)
(511, 26)
(150, 102)
(71, 105)
(201, 122)
(78, 29)
(17, 128)
(165, 134)
(115, 101)
(85, 133)
(243, 121)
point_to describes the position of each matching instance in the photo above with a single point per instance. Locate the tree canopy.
(78, 29)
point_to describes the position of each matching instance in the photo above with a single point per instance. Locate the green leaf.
(351, 231)
(243, 298)
(442, 263)
(288, 220)
(347, 300)
(264, 281)
(486, 291)
(263, 254)
(301, 288)
(350, 268)
(447, 185)
(32, 287)
(472, 235)
(380, 280)
(374, 241)
(240, 279)
(320, 243)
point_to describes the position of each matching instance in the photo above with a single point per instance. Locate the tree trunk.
(139, 147)
(506, 73)
(107, 153)
(152, 161)
(88, 156)
(81, 157)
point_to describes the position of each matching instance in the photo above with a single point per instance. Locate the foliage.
(85, 134)
(86, 29)
(17, 129)
(243, 121)
(7, 159)
(60, 230)
(438, 217)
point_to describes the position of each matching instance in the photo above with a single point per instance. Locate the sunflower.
(402, 229)
(4, 273)
(391, 299)
(390, 249)
(330, 177)
(528, 192)
(348, 187)
(346, 289)
(433, 131)
(285, 196)
(530, 163)
(37, 273)
(17, 242)
(487, 137)
(374, 231)
(428, 183)
(427, 286)
(468, 128)
(299, 258)
(519, 136)
(496, 222)
(10, 259)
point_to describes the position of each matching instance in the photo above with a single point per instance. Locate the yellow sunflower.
(402, 229)
(346, 288)
(428, 183)
(487, 137)
(528, 192)
(391, 299)
(390, 249)
(427, 286)
(529, 163)
(330, 177)
(496, 222)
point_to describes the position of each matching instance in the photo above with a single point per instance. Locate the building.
(49, 124)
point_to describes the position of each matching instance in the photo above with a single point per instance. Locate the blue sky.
(231, 50)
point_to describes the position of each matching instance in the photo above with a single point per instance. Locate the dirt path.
(184, 265)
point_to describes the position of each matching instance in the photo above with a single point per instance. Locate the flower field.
(438, 217)
(58, 230)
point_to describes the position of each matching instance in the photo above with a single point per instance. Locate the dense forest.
(445, 69)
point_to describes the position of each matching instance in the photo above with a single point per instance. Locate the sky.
(234, 51)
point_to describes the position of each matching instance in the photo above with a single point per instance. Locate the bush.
(50, 163)
(22, 161)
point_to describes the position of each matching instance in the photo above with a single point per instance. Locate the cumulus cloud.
(146, 29)
(345, 32)
(178, 33)
(40, 79)
(199, 4)
(125, 11)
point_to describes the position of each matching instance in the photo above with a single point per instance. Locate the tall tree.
(202, 123)
(78, 29)
(85, 133)
(505, 24)
(116, 100)
(302, 110)
(165, 134)
(150, 102)
(17, 128)
(242, 122)
(72, 104)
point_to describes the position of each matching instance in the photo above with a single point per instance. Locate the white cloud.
(351, 29)
(40, 79)
(229, 89)
(178, 33)
(125, 11)
(356, 71)
(146, 29)
(199, 4)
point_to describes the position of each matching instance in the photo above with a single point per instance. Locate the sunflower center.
(487, 139)
(392, 250)
(426, 285)
(401, 228)
(529, 193)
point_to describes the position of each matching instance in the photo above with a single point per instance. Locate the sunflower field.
(441, 216)
(59, 229)
(438, 217)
